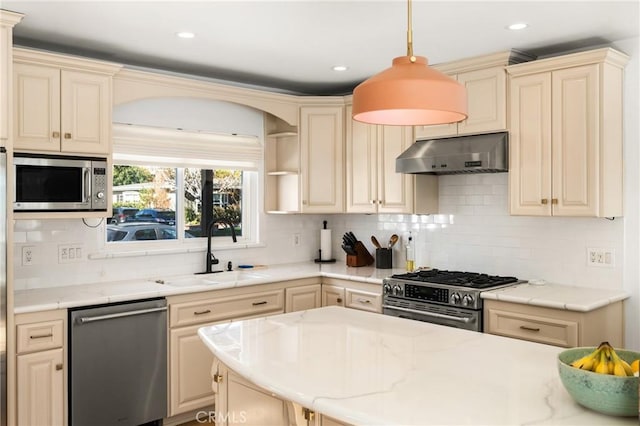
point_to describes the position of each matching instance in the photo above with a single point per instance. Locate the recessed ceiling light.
(518, 26)
(340, 68)
(185, 34)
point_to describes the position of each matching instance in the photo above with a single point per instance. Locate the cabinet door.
(395, 190)
(322, 146)
(190, 363)
(332, 295)
(303, 298)
(362, 170)
(575, 139)
(530, 145)
(248, 405)
(36, 107)
(486, 100)
(86, 112)
(40, 386)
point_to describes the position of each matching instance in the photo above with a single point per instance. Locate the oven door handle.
(430, 314)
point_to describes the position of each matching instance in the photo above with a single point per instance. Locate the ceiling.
(291, 46)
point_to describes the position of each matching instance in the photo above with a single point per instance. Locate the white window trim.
(135, 141)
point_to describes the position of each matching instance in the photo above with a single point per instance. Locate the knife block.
(362, 258)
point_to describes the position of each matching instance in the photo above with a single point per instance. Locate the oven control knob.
(467, 300)
(455, 299)
(386, 289)
(397, 290)
(100, 195)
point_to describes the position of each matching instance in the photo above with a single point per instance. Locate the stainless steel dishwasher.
(118, 364)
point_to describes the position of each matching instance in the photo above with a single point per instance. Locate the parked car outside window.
(122, 214)
(142, 232)
(165, 216)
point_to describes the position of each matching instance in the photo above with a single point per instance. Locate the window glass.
(145, 202)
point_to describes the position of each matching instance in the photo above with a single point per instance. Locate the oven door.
(466, 319)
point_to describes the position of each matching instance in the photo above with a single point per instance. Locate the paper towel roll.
(325, 244)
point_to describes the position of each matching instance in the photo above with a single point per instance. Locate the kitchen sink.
(225, 277)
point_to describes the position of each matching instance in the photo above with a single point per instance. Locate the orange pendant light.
(409, 93)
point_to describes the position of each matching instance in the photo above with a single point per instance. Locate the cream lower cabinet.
(566, 135)
(303, 297)
(373, 186)
(555, 326)
(189, 359)
(352, 294)
(322, 159)
(41, 373)
(61, 104)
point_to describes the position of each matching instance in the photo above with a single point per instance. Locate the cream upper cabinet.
(7, 21)
(322, 159)
(373, 186)
(59, 106)
(566, 135)
(486, 101)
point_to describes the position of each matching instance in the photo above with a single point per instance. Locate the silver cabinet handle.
(85, 320)
(364, 301)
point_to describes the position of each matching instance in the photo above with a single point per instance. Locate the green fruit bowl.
(605, 393)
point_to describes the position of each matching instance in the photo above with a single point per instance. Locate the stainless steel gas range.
(449, 298)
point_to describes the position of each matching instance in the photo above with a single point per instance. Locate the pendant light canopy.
(409, 93)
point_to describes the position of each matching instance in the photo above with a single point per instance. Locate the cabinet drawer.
(552, 331)
(363, 300)
(40, 336)
(215, 309)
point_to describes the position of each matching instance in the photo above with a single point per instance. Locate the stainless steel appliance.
(449, 298)
(56, 183)
(486, 153)
(118, 364)
(3, 288)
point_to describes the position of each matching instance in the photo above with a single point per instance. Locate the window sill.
(112, 254)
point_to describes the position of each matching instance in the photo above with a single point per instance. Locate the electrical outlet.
(28, 255)
(600, 257)
(296, 240)
(69, 253)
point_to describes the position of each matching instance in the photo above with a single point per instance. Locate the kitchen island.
(369, 369)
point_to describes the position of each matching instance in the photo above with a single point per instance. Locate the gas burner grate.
(457, 278)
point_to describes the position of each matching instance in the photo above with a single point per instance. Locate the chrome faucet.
(211, 259)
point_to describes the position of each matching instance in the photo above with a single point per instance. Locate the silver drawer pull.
(364, 300)
(208, 311)
(524, 327)
(264, 302)
(42, 336)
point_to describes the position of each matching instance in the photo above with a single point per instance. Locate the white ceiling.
(292, 45)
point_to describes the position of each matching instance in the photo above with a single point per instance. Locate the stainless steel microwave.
(56, 183)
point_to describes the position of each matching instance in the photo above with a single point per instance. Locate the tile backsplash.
(473, 231)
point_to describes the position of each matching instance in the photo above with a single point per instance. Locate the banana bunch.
(604, 360)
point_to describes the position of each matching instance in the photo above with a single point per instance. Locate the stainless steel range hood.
(487, 153)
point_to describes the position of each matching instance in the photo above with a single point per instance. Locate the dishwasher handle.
(86, 320)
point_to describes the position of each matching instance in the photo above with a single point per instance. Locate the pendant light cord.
(409, 33)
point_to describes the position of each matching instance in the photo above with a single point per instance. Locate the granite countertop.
(556, 296)
(44, 299)
(368, 369)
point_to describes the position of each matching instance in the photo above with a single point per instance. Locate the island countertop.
(370, 369)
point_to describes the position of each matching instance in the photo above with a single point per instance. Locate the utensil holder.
(362, 256)
(384, 258)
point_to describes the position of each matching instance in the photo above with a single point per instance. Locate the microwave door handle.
(86, 188)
